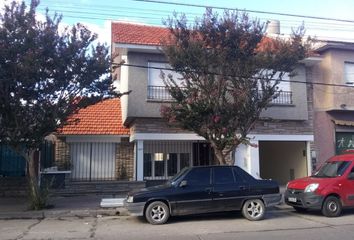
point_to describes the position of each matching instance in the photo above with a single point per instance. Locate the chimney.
(273, 27)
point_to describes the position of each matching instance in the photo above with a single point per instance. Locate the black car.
(203, 190)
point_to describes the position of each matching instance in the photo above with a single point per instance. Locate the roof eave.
(139, 47)
(311, 61)
(93, 138)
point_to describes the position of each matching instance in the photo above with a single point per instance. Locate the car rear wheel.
(157, 213)
(253, 209)
(332, 207)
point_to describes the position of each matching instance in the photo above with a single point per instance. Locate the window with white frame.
(164, 165)
(284, 83)
(163, 160)
(156, 87)
(284, 94)
(349, 73)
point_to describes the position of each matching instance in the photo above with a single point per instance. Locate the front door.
(203, 154)
(196, 196)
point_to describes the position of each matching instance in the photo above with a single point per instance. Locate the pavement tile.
(78, 206)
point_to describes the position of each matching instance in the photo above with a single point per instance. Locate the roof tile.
(138, 34)
(102, 118)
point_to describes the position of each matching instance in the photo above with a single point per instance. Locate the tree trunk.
(36, 200)
(220, 156)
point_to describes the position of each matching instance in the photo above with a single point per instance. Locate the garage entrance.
(282, 161)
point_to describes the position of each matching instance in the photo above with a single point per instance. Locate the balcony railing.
(283, 98)
(160, 93)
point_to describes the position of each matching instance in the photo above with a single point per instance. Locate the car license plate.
(292, 199)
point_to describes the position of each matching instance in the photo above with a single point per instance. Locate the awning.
(343, 123)
(342, 118)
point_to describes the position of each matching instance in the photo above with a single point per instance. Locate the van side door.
(348, 187)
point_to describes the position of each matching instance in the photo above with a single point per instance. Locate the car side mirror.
(351, 176)
(183, 183)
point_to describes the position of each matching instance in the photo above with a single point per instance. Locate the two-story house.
(283, 136)
(334, 99)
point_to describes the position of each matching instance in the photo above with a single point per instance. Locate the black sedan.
(203, 190)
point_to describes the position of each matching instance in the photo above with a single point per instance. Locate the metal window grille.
(161, 93)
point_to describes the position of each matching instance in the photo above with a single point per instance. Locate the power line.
(96, 16)
(154, 12)
(211, 73)
(158, 21)
(246, 10)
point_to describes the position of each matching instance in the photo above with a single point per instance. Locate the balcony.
(161, 94)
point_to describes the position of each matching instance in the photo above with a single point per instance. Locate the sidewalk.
(78, 206)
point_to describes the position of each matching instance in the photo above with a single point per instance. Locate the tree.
(229, 74)
(45, 76)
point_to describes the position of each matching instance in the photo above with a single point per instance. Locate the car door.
(229, 189)
(196, 194)
(348, 187)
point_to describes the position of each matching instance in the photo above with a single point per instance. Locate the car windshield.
(178, 175)
(332, 169)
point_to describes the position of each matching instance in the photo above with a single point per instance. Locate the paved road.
(279, 224)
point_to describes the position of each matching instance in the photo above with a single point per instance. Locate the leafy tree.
(229, 73)
(45, 76)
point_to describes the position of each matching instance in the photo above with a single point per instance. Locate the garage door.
(93, 161)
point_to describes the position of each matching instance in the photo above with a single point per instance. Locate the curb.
(42, 214)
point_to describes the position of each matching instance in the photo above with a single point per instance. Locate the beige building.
(284, 136)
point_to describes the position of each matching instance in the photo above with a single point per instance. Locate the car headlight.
(130, 199)
(311, 187)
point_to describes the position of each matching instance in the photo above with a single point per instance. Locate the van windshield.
(332, 169)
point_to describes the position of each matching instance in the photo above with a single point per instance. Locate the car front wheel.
(332, 207)
(253, 209)
(157, 213)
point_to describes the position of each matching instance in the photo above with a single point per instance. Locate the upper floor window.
(284, 84)
(156, 89)
(349, 73)
(156, 86)
(284, 93)
(284, 90)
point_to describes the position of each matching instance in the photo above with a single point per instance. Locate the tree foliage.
(46, 74)
(229, 71)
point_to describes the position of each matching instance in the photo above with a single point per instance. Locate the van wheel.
(332, 207)
(253, 209)
(157, 213)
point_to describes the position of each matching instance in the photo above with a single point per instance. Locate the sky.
(97, 15)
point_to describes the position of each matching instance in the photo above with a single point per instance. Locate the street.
(282, 223)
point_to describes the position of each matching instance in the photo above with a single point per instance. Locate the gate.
(11, 164)
(93, 161)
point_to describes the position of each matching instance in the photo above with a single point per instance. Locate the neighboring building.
(334, 99)
(284, 135)
(95, 144)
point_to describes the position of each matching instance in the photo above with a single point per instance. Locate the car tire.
(253, 209)
(300, 209)
(332, 207)
(157, 213)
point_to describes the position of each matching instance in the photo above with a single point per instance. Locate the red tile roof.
(129, 33)
(102, 118)
(138, 34)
